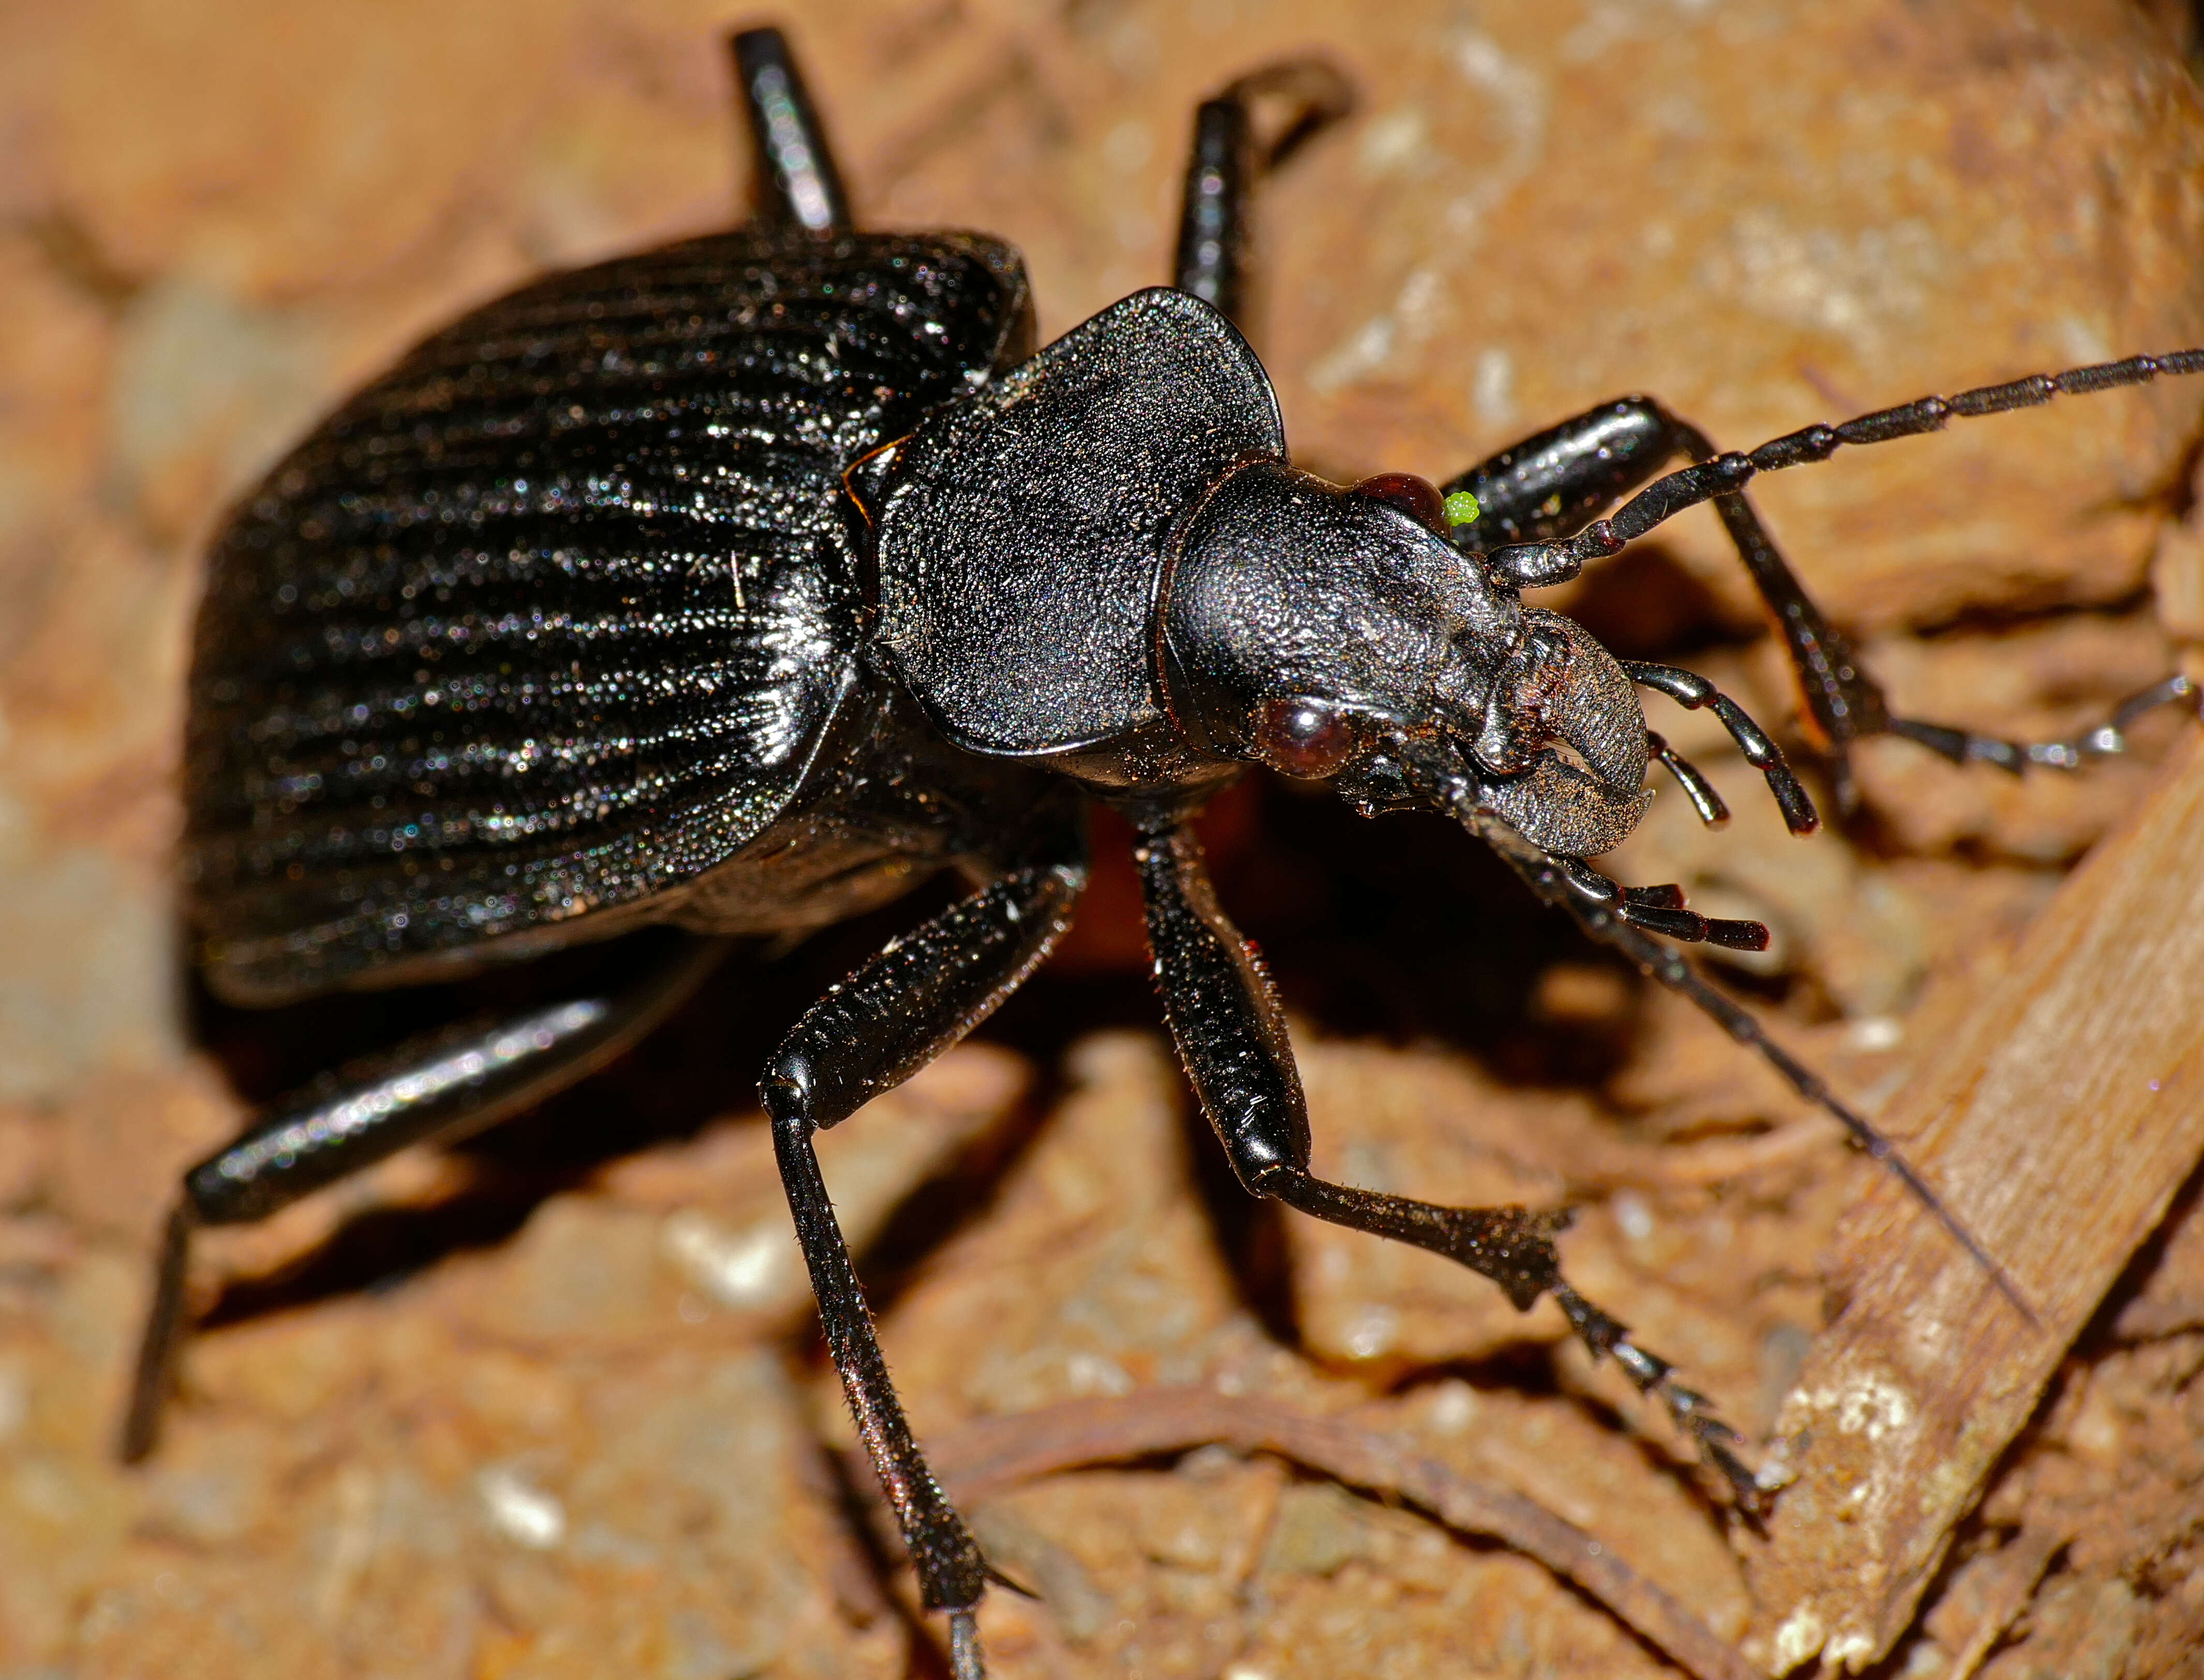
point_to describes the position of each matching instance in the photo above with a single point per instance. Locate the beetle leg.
(921, 993)
(1963, 747)
(794, 181)
(1552, 483)
(1233, 149)
(1230, 1033)
(438, 1089)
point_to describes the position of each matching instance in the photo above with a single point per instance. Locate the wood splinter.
(2060, 1118)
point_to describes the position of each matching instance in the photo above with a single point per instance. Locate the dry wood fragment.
(2018, 1571)
(998, 1452)
(2058, 1122)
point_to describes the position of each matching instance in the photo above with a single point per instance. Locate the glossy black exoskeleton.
(743, 583)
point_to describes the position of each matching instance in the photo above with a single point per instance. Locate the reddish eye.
(1418, 498)
(1305, 738)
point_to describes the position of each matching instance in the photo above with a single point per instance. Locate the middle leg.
(920, 994)
(1240, 136)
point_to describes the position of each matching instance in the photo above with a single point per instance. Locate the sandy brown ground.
(554, 1406)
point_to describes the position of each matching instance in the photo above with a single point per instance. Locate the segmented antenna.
(1530, 565)
(1549, 878)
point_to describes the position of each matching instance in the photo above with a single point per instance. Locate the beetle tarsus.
(154, 1375)
(1607, 1336)
(2073, 753)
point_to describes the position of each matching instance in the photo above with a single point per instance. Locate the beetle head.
(1325, 631)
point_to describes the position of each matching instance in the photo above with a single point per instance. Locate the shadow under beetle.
(743, 583)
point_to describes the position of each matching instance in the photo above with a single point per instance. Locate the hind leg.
(920, 994)
(437, 1090)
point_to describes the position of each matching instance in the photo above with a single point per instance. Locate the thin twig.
(994, 1453)
(1711, 1160)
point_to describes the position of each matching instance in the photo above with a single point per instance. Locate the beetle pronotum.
(724, 584)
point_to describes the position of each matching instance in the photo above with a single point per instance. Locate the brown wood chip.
(2058, 1122)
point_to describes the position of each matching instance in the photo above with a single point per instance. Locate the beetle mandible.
(742, 584)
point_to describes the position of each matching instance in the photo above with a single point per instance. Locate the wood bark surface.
(2058, 1122)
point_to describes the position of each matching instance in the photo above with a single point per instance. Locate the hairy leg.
(921, 993)
(435, 1089)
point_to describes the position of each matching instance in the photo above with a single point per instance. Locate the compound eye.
(1305, 738)
(1418, 498)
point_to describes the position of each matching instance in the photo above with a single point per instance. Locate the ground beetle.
(745, 582)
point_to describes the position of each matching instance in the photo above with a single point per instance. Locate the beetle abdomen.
(550, 619)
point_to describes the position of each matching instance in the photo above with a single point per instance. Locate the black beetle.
(743, 583)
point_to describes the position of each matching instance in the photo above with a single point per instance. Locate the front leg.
(1554, 482)
(920, 994)
(1230, 1033)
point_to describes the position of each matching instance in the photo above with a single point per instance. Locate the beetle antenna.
(1550, 878)
(1608, 913)
(1530, 565)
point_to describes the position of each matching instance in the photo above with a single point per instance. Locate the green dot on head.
(1461, 509)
